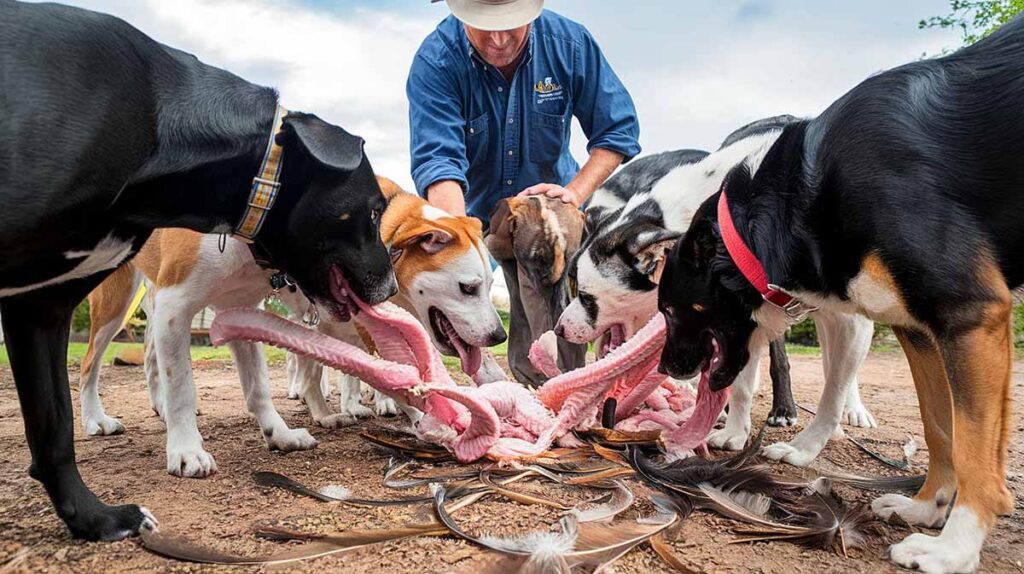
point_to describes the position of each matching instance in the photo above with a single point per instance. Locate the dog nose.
(498, 336)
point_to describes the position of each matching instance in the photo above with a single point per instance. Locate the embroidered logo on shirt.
(547, 90)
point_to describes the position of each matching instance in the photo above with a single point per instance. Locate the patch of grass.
(76, 352)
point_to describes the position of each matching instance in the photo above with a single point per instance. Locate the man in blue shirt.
(492, 92)
(490, 109)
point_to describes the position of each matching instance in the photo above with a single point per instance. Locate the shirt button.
(508, 182)
(501, 89)
(509, 152)
(471, 130)
(510, 120)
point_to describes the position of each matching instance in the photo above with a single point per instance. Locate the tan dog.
(534, 238)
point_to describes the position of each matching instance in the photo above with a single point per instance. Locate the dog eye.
(374, 214)
(669, 311)
(469, 289)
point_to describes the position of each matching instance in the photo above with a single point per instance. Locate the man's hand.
(553, 191)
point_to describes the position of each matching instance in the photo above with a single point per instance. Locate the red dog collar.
(751, 268)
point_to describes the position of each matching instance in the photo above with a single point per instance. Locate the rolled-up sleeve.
(437, 130)
(603, 106)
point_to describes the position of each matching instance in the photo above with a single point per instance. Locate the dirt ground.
(221, 511)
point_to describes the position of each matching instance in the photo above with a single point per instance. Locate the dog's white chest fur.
(108, 254)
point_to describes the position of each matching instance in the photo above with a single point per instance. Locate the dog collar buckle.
(264, 186)
(794, 308)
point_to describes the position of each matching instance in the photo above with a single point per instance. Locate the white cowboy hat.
(494, 15)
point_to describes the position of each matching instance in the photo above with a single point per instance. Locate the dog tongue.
(471, 358)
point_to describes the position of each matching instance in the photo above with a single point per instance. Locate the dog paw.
(288, 440)
(859, 416)
(782, 416)
(356, 410)
(787, 453)
(934, 555)
(337, 421)
(384, 405)
(727, 439)
(102, 425)
(918, 512)
(110, 523)
(293, 394)
(190, 462)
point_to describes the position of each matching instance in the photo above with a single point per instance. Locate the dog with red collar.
(903, 203)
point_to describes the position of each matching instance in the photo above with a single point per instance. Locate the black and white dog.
(632, 222)
(105, 135)
(903, 202)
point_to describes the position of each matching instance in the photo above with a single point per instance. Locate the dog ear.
(649, 248)
(431, 239)
(328, 144)
(500, 232)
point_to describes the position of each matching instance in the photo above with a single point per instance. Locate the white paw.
(102, 425)
(191, 462)
(918, 512)
(356, 410)
(149, 521)
(337, 421)
(859, 416)
(384, 405)
(934, 555)
(785, 452)
(782, 421)
(288, 440)
(727, 439)
(293, 393)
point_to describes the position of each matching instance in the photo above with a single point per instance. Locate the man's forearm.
(598, 168)
(447, 195)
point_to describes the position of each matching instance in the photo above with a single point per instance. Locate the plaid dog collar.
(264, 186)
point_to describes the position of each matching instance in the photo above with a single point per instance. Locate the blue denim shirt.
(497, 138)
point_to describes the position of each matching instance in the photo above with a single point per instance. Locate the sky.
(696, 69)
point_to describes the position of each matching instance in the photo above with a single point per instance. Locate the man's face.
(499, 48)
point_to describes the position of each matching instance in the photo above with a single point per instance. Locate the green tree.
(975, 18)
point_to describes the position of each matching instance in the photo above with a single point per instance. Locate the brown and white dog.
(444, 273)
(534, 239)
(444, 280)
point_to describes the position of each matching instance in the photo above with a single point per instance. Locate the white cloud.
(349, 70)
(696, 70)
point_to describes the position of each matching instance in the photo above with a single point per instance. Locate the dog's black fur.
(647, 220)
(105, 132)
(923, 165)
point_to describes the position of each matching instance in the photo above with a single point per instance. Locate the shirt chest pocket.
(547, 137)
(476, 138)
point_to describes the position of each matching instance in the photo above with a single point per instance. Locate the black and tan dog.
(904, 202)
(107, 135)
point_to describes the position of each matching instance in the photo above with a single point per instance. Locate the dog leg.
(930, 505)
(291, 368)
(977, 360)
(171, 337)
(107, 308)
(255, 379)
(842, 362)
(310, 374)
(783, 413)
(36, 327)
(351, 397)
(737, 423)
(150, 362)
(854, 412)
